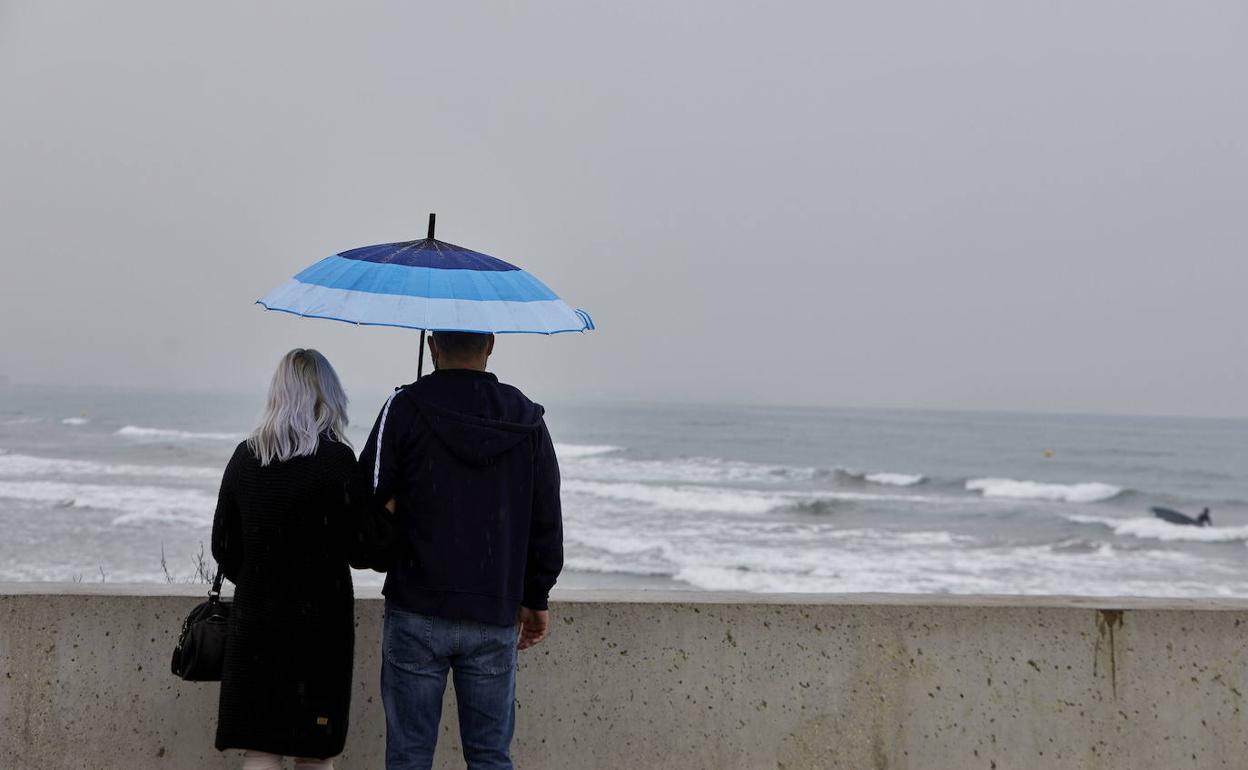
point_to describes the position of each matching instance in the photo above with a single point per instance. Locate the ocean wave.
(872, 560)
(28, 465)
(740, 558)
(606, 466)
(857, 478)
(603, 463)
(605, 565)
(687, 470)
(1151, 528)
(705, 499)
(572, 451)
(135, 431)
(135, 503)
(1090, 492)
(75, 421)
(895, 479)
(685, 498)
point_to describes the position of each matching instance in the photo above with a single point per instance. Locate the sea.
(120, 486)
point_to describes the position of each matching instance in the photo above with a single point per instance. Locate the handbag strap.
(215, 592)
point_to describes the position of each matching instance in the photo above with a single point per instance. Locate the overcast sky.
(973, 205)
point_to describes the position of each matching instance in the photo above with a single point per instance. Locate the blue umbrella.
(429, 285)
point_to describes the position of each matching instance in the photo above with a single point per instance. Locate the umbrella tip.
(432, 218)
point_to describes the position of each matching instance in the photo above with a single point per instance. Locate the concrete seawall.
(694, 680)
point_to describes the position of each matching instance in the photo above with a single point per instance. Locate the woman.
(278, 536)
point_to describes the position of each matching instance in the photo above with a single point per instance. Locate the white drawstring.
(381, 427)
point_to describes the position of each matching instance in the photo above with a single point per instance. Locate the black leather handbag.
(200, 653)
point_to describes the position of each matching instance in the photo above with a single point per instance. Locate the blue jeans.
(417, 651)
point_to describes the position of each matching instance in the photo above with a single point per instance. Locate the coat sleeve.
(340, 473)
(227, 523)
(545, 553)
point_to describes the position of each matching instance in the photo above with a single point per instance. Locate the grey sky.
(984, 204)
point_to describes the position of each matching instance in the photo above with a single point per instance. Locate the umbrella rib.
(405, 247)
(429, 285)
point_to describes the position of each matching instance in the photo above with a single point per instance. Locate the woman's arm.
(227, 524)
(346, 493)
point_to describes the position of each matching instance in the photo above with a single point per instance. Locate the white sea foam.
(75, 421)
(135, 431)
(1150, 528)
(16, 465)
(685, 498)
(754, 556)
(859, 560)
(895, 479)
(135, 503)
(603, 463)
(571, 451)
(1090, 492)
(687, 470)
(729, 500)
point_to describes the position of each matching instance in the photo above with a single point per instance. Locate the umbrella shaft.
(420, 360)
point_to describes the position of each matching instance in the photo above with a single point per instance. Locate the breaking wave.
(1151, 528)
(601, 463)
(688, 470)
(846, 476)
(136, 504)
(572, 451)
(135, 431)
(895, 479)
(685, 498)
(854, 560)
(75, 421)
(726, 500)
(1090, 492)
(27, 465)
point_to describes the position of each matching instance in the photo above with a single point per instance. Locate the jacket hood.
(479, 440)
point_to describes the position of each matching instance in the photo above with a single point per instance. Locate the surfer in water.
(1175, 517)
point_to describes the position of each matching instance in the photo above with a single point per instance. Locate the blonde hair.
(305, 400)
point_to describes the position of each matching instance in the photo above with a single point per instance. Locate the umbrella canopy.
(429, 285)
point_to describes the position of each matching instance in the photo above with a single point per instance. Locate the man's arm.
(545, 552)
(375, 483)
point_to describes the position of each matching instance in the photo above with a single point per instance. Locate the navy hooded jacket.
(473, 471)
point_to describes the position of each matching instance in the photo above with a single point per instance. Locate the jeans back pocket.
(408, 640)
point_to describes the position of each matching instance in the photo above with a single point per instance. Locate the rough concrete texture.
(695, 681)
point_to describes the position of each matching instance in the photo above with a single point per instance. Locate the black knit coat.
(279, 536)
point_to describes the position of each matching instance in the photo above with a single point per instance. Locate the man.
(468, 468)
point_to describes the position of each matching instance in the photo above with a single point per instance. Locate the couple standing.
(467, 466)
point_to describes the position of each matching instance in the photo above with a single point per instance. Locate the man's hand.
(534, 626)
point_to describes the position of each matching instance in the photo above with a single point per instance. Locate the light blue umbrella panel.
(429, 285)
